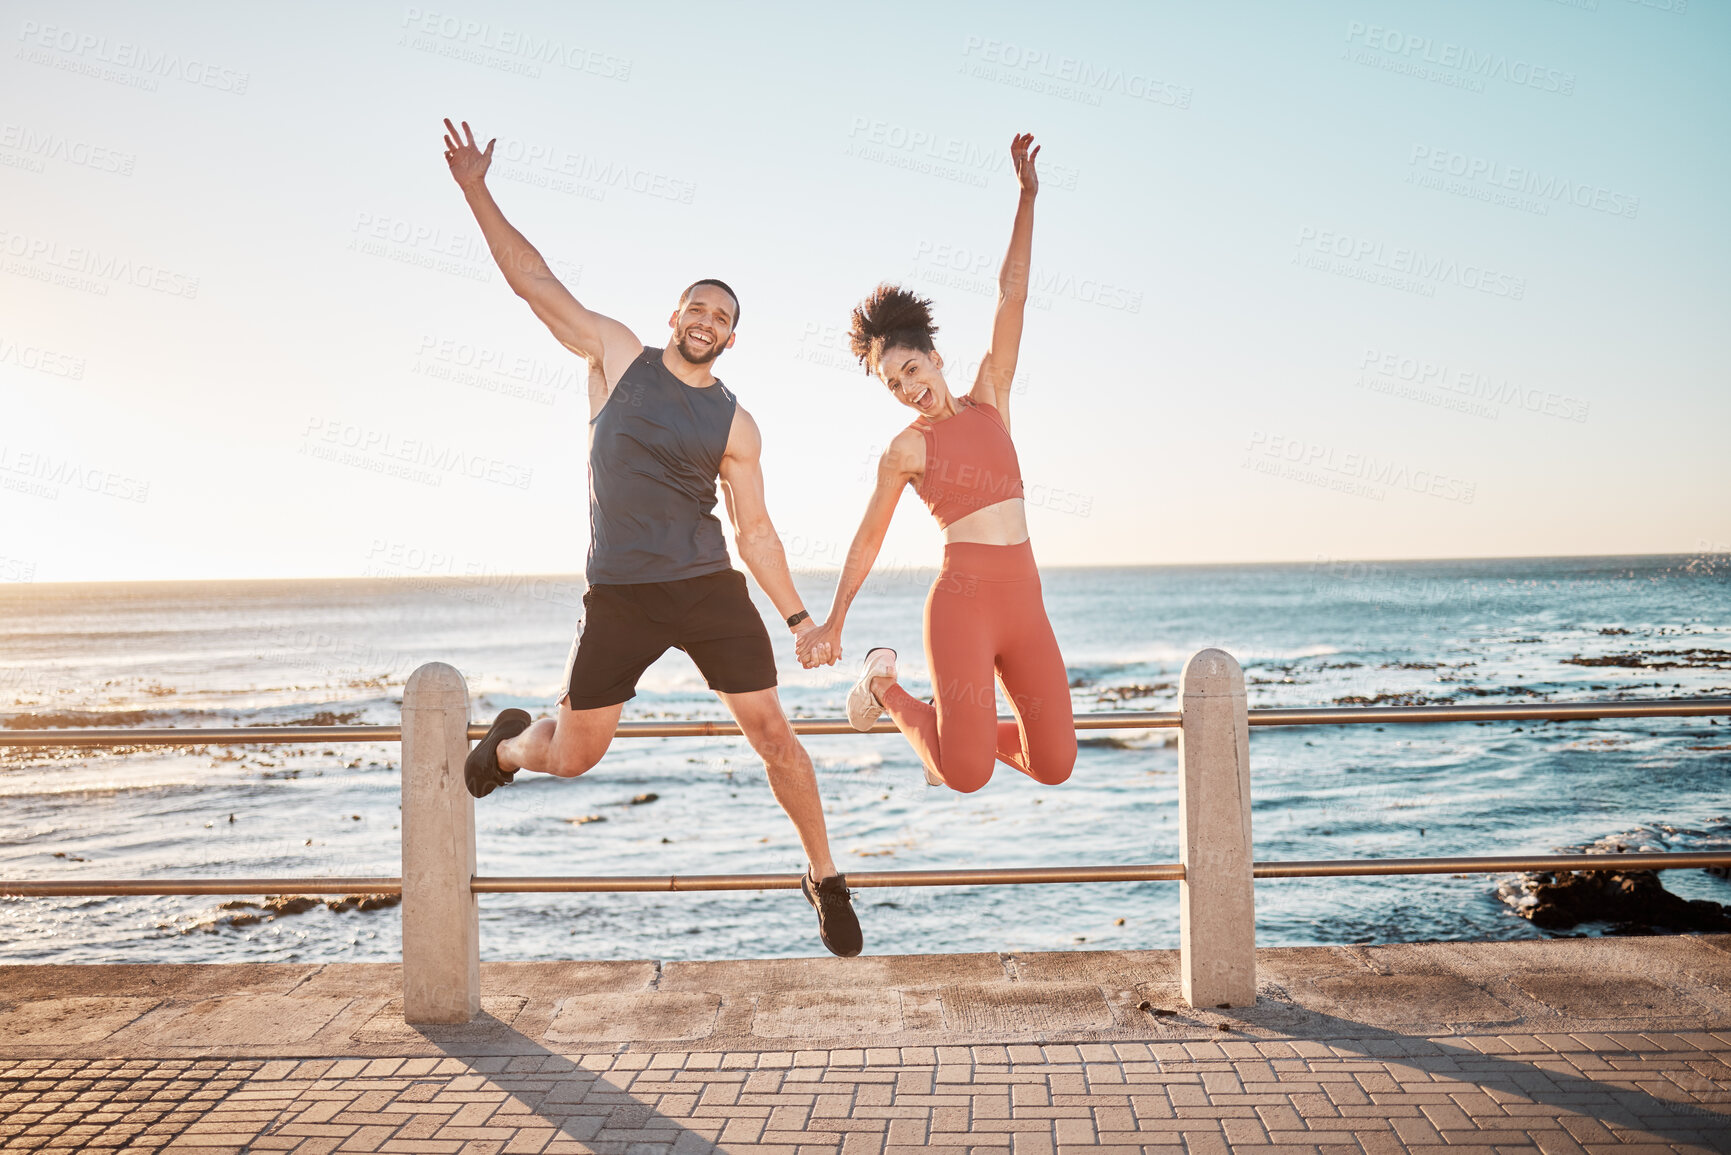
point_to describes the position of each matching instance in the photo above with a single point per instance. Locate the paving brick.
(1553, 1092)
(906, 1132)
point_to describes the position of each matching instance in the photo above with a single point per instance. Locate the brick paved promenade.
(1604, 1045)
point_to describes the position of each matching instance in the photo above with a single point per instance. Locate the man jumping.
(662, 431)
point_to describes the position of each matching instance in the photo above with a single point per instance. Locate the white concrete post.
(1216, 900)
(441, 925)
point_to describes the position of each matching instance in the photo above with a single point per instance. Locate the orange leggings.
(984, 617)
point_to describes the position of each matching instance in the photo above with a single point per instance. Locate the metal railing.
(1104, 720)
(987, 876)
(1215, 870)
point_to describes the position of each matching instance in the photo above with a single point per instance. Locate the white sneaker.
(863, 707)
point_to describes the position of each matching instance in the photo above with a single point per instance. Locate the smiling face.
(703, 326)
(915, 378)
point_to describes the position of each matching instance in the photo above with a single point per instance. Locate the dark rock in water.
(1634, 901)
(80, 719)
(241, 913)
(1132, 692)
(322, 718)
(1694, 658)
(364, 902)
(1406, 698)
(643, 799)
(1494, 691)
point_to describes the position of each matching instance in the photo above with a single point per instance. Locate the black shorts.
(625, 628)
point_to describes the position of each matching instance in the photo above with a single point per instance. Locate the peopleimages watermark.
(1397, 267)
(40, 360)
(931, 152)
(426, 246)
(30, 149)
(409, 458)
(86, 269)
(490, 370)
(1470, 391)
(335, 656)
(1447, 63)
(37, 474)
(828, 554)
(1512, 186)
(582, 174)
(13, 569)
(828, 346)
(986, 488)
(1064, 77)
(504, 48)
(972, 270)
(121, 62)
(469, 580)
(960, 267)
(1384, 586)
(1350, 472)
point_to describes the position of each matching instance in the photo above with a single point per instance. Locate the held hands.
(817, 645)
(1020, 158)
(468, 163)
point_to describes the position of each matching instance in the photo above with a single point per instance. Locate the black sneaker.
(481, 772)
(836, 924)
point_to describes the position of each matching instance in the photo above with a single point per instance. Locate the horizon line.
(580, 577)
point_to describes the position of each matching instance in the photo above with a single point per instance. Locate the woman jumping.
(985, 621)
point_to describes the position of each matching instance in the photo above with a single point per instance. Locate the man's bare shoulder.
(744, 438)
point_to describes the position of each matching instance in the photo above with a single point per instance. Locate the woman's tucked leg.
(954, 735)
(1038, 687)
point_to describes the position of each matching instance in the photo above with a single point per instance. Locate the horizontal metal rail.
(1504, 864)
(1146, 872)
(1508, 712)
(1014, 876)
(1017, 876)
(1102, 720)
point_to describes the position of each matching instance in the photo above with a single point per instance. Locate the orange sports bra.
(970, 463)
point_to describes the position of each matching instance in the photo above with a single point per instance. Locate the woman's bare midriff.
(1005, 523)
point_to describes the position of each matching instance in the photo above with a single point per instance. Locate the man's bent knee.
(775, 742)
(569, 764)
(780, 752)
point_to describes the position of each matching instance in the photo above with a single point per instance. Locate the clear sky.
(1345, 280)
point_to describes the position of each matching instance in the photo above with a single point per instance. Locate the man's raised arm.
(601, 339)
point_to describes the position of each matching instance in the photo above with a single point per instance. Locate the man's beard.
(695, 356)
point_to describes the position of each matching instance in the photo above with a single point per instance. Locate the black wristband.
(797, 618)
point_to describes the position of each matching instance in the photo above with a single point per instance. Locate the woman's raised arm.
(998, 367)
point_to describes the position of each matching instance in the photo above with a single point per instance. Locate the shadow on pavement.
(571, 1101)
(1568, 1094)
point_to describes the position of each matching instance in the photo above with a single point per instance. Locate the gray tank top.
(655, 452)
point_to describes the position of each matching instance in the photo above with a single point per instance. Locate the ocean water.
(222, 654)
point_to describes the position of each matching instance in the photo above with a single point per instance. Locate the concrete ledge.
(1406, 991)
